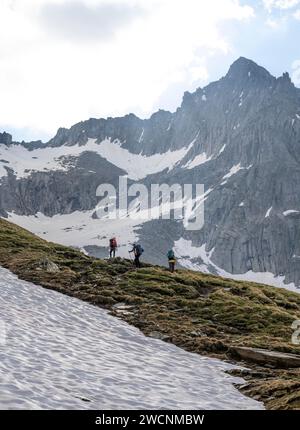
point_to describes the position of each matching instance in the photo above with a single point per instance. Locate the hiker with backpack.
(172, 260)
(112, 247)
(137, 252)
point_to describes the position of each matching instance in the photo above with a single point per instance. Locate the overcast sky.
(63, 61)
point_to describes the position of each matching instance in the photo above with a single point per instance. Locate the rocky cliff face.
(239, 136)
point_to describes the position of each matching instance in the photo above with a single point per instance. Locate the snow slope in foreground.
(59, 351)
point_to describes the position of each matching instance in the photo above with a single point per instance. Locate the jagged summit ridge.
(243, 73)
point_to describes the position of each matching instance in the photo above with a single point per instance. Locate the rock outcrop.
(267, 358)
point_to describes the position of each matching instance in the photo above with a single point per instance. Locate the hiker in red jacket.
(112, 247)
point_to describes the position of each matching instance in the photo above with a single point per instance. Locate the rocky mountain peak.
(285, 82)
(5, 138)
(247, 71)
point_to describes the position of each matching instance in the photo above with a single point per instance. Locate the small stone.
(158, 335)
(48, 266)
(198, 333)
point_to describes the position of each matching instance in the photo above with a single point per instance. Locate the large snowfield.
(23, 161)
(57, 352)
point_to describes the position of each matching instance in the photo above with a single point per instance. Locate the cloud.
(85, 22)
(280, 4)
(273, 23)
(296, 72)
(48, 79)
(297, 14)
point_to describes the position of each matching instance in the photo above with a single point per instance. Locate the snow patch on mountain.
(233, 171)
(23, 161)
(290, 212)
(139, 166)
(141, 136)
(268, 212)
(186, 253)
(80, 229)
(62, 353)
(222, 149)
(197, 161)
(189, 256)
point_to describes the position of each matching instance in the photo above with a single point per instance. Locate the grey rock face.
(5, 138)
(247, 124)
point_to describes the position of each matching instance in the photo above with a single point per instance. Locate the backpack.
(113, 242)
(171, 254)
(138, 250)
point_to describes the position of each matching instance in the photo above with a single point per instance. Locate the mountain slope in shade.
(239, 136)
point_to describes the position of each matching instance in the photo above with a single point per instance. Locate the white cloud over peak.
(297, 14)
(81, 22)
(280, 4)
(62, 61)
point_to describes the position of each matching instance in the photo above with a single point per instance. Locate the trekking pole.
(132, 261)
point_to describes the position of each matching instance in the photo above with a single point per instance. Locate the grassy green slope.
(199, 312)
